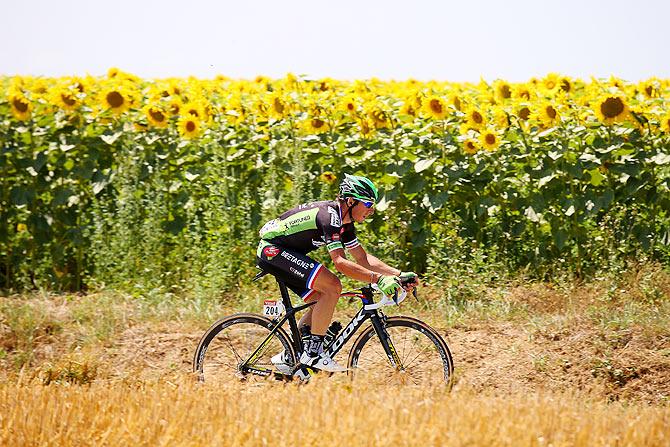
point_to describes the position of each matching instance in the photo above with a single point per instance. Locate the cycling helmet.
(359, 188)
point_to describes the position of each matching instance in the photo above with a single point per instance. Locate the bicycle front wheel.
(240, 346)
(425, 358)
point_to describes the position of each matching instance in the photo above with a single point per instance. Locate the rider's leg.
(306, 319)
(327, 289)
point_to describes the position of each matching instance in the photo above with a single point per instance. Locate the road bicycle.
(391, 349)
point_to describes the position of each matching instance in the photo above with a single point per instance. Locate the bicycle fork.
(378, 322)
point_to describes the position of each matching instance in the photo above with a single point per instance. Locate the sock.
(313, 345)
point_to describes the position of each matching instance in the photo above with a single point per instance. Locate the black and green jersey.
(310, 226)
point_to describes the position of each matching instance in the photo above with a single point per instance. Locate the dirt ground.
(557, 351)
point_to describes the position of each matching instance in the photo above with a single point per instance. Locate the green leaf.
(21, 195)
(111, 138)
(560, 237)
(531, 214)
(422, 165)
(544, 180)
(596, 176)
(660, 158)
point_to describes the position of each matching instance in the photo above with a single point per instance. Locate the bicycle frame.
(365, 313)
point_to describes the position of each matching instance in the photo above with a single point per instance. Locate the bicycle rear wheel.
(424, 355)
(225, 350)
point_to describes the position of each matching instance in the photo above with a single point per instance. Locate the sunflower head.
(665, 122)
(502, 90)
(489, 139)
(315, 125)
(156, 116)
(189, 126)
(349, 105)
(65, 98)
(611, 109)
(328, 177)
(21, 106)
(116, 97)
(470, 146)
(475, 118)
(547, 114)
(435, 107)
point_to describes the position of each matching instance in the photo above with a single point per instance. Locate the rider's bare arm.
(371, 262)
(351, 269)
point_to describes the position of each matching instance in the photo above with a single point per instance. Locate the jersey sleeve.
(348, 236)
(328, 220)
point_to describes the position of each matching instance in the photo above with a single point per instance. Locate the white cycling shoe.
(322, 362)
(279, 362)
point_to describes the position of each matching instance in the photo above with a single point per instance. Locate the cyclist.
(285, 242)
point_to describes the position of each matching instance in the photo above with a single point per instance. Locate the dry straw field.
(536, 365)
(325, 412)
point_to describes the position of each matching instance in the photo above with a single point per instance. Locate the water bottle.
(334, 329)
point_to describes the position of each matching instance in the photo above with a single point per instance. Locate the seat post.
(297, 341)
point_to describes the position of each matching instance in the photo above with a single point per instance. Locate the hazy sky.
(446, 40)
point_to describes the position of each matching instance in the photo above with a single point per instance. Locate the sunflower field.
(162, 184)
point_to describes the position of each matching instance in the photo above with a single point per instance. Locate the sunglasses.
(367, 204)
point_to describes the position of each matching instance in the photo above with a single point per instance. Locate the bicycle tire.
(239, 335)
(368, 356)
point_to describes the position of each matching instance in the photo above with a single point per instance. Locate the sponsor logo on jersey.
(318, 243)
(299, 262)
(298, 221)
(270, 252)
(272, 225)
(335, 237)
(297, 272)
(334, 217)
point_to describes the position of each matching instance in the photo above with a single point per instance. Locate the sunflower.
(189, 126)
(475, 119)
(665, 122)
(315, 125)
(650, 88)
(21, 106)
(455, 100)
(611, 109)
(434, 107)
(378, 117)
(489, 139)
(565, 84)
(113, 72)
(328, 177)
(156, 116)
(365, 127)
(550, 84)
(522, 92)
(195, 108)
(278, 107)
(64, 98)
(409, 107)
(503, 90)
(116, 99)
(547, 114)
(500, 118)
(470, 146)
(523, 112)
(349, 105)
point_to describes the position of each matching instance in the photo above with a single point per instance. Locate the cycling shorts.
(298, 271)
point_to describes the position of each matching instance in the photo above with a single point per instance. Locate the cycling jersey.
(309, 226)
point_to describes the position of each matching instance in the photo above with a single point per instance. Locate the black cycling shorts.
(298, 271)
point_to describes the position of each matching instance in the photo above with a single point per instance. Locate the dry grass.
(535, 364)
(325, 412)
